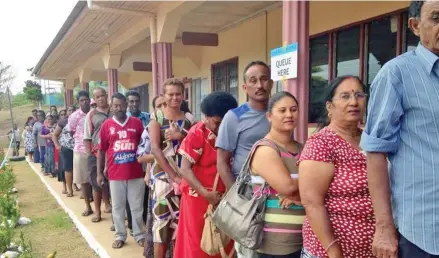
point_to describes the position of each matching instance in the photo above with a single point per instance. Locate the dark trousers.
(293, 255)
(406, 249)
(145, 209)
(36, 155)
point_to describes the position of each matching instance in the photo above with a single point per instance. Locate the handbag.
(212, 239)
(240, 214)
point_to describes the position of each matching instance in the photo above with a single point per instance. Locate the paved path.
(97, 235)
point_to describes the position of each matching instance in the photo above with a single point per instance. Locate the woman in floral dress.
(167, 129)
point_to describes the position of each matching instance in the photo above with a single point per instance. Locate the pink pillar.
(85, 86)
(112, 81)
(296, 29)
(68, 97)
(163, 62)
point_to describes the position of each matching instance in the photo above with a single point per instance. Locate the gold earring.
(329, 114)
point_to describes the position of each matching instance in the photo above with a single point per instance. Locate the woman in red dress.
(198, 170)
(333, 188)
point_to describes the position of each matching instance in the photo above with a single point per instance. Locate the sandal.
(96, 219)
(141, 242)
(69, 195)
(118, 244)
(75, 187)
(87, 213)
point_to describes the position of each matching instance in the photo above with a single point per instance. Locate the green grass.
(51, 228)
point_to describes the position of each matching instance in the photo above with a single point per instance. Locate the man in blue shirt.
(242, 127)
(133, 98)
(403, 129)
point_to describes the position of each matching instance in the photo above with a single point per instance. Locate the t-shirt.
(120, 141)
(17, 135)
(76, 125)
(36, 131)
(93, 122)
(240, 129)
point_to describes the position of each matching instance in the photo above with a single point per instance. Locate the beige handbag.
(213, 240)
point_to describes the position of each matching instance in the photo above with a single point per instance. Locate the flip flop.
(141, 242)
(87, 213)
(118, 244)
(96, 219)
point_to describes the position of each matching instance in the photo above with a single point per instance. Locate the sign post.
(284, 62)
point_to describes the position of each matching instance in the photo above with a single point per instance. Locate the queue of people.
(167, 173)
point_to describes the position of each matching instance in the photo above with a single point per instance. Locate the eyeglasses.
(347, 96)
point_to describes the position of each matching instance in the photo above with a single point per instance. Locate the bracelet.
(330, 244)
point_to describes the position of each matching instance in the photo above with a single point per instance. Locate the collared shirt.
(143, 116)
(403, 121)
(76, 125)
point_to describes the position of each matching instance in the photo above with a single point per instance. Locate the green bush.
(7, 179)
(8, 208)
(27, 247)
(6, 235)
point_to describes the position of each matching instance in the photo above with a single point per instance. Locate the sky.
(27, 27)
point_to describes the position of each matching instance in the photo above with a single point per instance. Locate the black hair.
(415, 9)
(155, 99)
(185, 107)
(332, 88)
(277, 97)
(41, 112)
(34, 110)
(218, 103)
(253, 63)
(132, 93)
(62, 111)
(82, 93)
(49, 116)
(53, 106)
(119, 96)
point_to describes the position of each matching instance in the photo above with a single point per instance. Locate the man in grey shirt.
(39, 142)
(242, 127)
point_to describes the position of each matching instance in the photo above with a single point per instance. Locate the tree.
(6, 78)
(32, 90)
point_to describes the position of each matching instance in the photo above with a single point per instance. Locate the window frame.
(363, 42)
(233, 60)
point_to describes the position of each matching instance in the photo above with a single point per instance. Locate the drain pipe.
(97, 7)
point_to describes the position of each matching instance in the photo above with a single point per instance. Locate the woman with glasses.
(333, 180)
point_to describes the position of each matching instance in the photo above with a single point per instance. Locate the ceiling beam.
(199, 39)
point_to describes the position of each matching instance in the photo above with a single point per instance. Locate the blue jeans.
(42, 154)
(36, 154)
(406, 249)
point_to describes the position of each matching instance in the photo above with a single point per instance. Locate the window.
(225, 77)
(348, 52)
(381, 45)
(319, 51)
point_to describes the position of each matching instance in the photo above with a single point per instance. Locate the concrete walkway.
(97, 235)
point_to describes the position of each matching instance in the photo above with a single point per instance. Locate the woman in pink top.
(339, 219)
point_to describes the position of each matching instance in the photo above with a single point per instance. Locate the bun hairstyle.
(331, 89)
(218, 103)
(277, 97)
